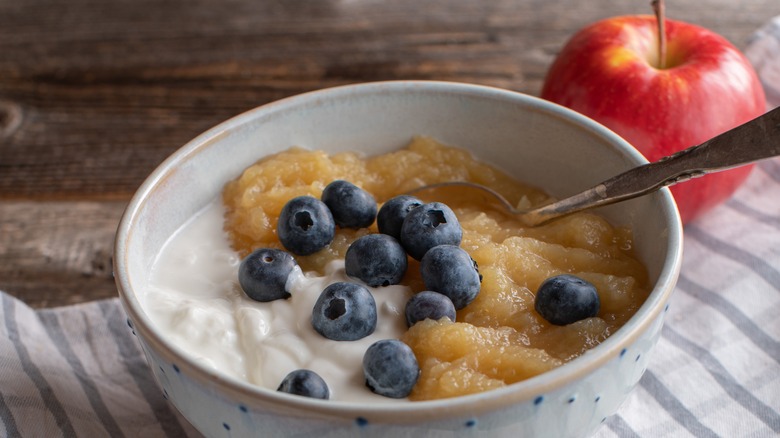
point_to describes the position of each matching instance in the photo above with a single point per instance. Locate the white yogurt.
(195, 299)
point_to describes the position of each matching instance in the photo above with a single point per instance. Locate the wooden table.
(93, 95)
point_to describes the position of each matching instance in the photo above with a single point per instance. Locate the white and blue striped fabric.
(78, 371)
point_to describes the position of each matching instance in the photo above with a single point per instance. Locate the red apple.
(611, 72)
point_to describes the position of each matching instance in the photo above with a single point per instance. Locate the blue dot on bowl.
(538, 400)
(572, 399)
(598, 397)
(243, 408)
(471, 423)
(362, 422)
(226, 426)
(623, 352)
(176, 368)
(637, 357)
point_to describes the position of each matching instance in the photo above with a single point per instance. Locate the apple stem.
(659, 9)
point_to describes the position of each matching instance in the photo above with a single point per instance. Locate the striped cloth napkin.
(78, 370)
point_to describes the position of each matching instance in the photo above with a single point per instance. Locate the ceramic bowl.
(533, 139)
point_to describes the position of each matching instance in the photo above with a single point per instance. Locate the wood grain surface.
(95, 94)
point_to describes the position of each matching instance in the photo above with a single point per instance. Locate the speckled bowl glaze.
(538, 142)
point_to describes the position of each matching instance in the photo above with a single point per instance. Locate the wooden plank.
(58, 253)
(100, 93)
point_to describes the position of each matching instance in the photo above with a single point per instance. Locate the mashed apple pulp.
(499, 338)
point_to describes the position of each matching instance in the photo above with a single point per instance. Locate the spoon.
(752, 141)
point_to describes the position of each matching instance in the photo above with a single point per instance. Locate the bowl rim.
(394, 412)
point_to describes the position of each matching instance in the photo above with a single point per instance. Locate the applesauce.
(499, 338)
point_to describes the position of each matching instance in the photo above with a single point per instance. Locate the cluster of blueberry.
(346, 311)
(389, 365)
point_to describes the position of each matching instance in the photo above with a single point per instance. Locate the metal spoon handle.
(749, 142)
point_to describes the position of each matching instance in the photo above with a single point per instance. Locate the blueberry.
(306, 383)
(565, 299)
(352, 207)
(376, 259)
(390, 368)
(428, 305)
(393, 212)
(344, 312)
(449, 270)
(263, 274)
(305, 225)
(427, 226)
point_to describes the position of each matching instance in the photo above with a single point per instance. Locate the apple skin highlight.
(608, 72)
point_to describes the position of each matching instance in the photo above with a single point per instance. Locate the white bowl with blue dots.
(525, 136)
